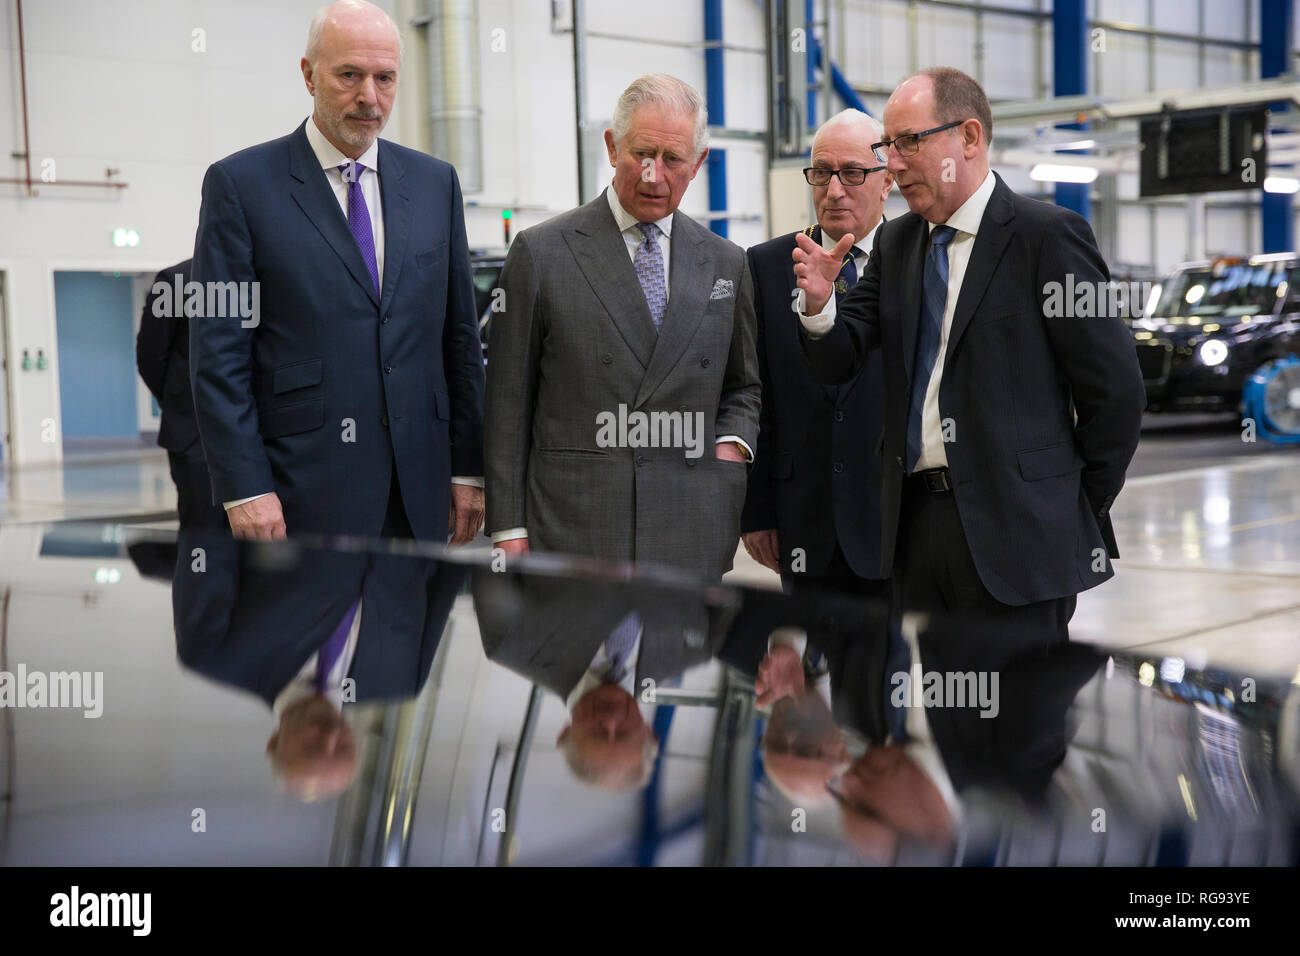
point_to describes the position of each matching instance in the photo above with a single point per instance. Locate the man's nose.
(366, 91)
(835, 188)
(894, 163)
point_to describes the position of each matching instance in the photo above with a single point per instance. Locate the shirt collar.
(328, 154)
(627, 221)
(969, 214)
(860, 248)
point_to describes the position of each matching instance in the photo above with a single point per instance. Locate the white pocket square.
(722, 289)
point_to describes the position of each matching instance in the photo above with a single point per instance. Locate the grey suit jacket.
(575, 340)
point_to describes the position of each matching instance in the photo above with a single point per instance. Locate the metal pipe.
(580, 91)
(22, 80)
(455, 108)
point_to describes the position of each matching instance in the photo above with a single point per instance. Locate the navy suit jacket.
(252, 618)
(335, 386)
(816, 474)
(162, 356)
(1033, 484)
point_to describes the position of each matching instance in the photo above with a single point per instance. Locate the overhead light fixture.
(1057, 173)
(1077, 144)
(1281, 184)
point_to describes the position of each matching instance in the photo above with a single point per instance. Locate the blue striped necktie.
(934, 299)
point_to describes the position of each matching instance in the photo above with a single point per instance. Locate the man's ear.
(564, 735)
(270, 744)
(307, 73)
(609, 147)
(700, 162)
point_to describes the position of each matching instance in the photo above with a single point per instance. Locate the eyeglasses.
(853, 176)
(908, 143)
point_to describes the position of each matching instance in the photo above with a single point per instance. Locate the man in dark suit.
(1007, 433)
(162, 355)
(347, 391)
(812, 508)
(623, 385)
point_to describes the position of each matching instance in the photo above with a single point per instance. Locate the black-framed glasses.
(852, 176)
(908, 143)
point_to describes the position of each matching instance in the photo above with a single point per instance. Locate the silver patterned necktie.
(649, 264)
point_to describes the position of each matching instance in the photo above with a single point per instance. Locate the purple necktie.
(359, 219)
(332, 649)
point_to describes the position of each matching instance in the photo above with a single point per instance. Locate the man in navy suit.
(345, 390)
(812, 510)
(162, 355)
(1008, 430)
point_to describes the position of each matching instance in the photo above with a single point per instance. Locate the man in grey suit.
(623, 388)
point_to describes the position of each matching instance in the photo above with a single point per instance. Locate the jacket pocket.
(291, 419)
(1049, 462)
(298, 375)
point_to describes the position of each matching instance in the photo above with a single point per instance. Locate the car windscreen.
(1226, 290)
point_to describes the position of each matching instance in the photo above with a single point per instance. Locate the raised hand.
(815, 269)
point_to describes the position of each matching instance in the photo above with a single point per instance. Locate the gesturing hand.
(815, 269)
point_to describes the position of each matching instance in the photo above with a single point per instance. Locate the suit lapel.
(314, 196)
(990, 242)
(689, 286)
(397, 219)
(600, 252)
(913, 271)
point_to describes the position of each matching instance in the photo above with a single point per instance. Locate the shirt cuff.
(510, 534)
(243, 501)
(816, 325)
(793, 637)
(749, 452)
(463, 480)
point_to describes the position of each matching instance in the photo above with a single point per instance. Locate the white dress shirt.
(330, 159)
(593, 677)
(632, 238)
(966, 220)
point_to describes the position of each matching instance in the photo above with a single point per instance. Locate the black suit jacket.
(336, 386)
(1033, 486)
(816, 474)
(162, 356)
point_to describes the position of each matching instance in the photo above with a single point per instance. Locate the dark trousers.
(194, 505)
(935, 574)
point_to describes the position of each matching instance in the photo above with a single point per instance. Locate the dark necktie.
(934, 298)
(359, 219)
(332, 649)
(848, 276)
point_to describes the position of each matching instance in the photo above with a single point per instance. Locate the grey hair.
(324, 13)
(852, 117)
(669, 93)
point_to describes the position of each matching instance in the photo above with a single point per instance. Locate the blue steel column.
(1070, 78)
(715, 103)
(1275, 19)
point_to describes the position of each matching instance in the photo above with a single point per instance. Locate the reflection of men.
(1007, 433)
(352, 397)
(626, 307)
(598, 645)
(162, 354)
(284, 626)
(812, 510)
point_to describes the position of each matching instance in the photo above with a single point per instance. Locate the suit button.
(388, 370)
(704, 363)
(692, 462)
(641, 460)
(839, 467)
(899, 462)
(386, 318)
(839, 416)
(384, 421)
(607, 359)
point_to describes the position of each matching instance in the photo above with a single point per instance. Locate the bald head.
(350, 68)
(844, 142)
